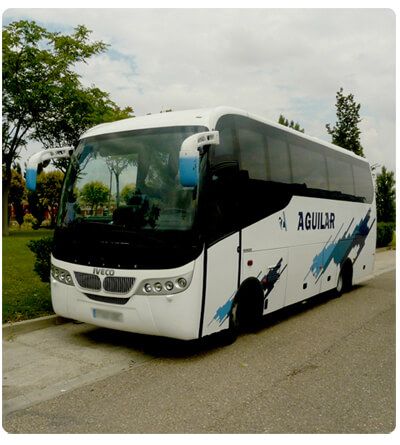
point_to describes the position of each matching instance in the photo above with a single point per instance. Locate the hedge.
(384, 233)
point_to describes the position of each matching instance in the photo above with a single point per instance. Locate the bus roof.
(206, 117)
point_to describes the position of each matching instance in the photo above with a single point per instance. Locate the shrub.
(384, 233)
(29, 220)
(42, 250)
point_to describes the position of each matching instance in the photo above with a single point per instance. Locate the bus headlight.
(181, 282)
(165, 286)
(158, 287)
(169, 285)
(61, 275)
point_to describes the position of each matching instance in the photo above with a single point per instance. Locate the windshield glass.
(129, 180)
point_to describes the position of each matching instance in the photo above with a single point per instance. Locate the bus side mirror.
(189, 156)
(38, 158)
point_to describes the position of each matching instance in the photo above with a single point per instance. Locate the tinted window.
(226, 150)
(363, 181)
(278, 159)
(252, 153)
(340, 174)
(308, 166)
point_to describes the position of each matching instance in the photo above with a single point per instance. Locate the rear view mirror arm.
(38, 158)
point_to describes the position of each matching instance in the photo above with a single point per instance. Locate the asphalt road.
(327, 366)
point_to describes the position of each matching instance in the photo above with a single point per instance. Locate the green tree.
(93, 194)
(283, 121)
(17, 195)
(127, 193)
(43, 99)
(346, 133)
(385, 196)
(116, 165)
(49, 186)
(76, 110)
(46, 196)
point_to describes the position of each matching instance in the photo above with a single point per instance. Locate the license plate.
(106, 315)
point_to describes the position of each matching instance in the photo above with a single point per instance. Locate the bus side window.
(278, 160)
(340, 175)
(308, 166)
(220, 211)
(252, 153)
(226, 150)
(364, 188)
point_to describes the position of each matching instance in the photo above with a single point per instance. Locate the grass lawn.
(24, 295)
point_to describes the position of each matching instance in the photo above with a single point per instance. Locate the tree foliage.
(17, 194)
(346, 133)
(43, 98)
(283, 121)
(385, 196)
(46, 196)
(93, 194)
(128, 192)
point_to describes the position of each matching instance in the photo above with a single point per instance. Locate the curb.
(22, 327)
(384, 249)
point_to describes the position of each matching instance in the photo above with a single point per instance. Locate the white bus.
(184, 224)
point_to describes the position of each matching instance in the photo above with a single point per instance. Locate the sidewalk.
(385, 261)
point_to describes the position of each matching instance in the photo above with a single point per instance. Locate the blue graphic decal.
(223, 311)
(338, 250)
(282, 222)
(268, 282)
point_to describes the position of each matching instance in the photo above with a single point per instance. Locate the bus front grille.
(111, 300)
(118, 285)
(88, 281)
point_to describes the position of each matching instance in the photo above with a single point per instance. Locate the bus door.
(221, 282)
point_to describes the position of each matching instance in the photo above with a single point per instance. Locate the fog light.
(158, 287)
(169, 285)
(181, 282)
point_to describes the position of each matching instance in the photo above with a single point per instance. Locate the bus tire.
(345, 278)
(251, 298)
(234, 322)
(229, 336)
(339, 285)
(246, 311)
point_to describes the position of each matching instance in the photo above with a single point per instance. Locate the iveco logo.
(100, 271)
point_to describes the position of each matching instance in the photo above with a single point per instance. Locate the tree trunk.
(5, 195)
(6, 190)
(117, 185)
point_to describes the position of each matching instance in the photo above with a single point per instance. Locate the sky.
(266, 61)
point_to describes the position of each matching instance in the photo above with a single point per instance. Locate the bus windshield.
(129, 180)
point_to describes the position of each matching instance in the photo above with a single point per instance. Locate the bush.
(42, 250)
(384, 233)
(29, 221)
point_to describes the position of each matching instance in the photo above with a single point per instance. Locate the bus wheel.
(345, 278)
(339, 285)
(229, 336)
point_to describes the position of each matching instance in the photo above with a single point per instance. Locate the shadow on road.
(170, 348)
